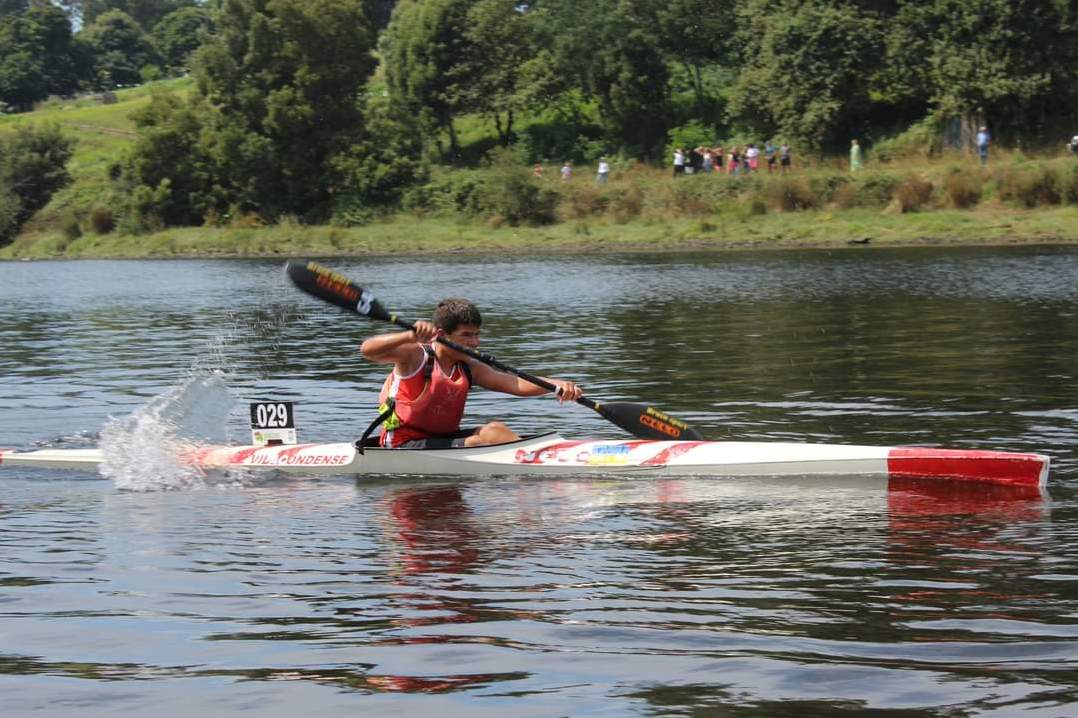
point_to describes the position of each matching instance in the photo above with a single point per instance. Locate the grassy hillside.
(103, 133)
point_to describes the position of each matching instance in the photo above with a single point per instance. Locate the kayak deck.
(551, 454)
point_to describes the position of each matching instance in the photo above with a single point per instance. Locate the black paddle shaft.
(638, 419)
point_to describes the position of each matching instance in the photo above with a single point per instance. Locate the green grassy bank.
(854, 228)
(914, 200)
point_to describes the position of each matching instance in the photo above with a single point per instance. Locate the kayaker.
(423, 398)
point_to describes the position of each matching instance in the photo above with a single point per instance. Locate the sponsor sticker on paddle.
(272, 423)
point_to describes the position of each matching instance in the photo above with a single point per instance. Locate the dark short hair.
(451, 313)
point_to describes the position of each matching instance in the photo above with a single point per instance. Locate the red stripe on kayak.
(244, 454)
(997, 467)
(2, 455)
(672, 452)
(241, 455)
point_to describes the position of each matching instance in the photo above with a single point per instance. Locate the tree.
(422, 49)
(610, 49)
(121, 49)
(696, 34)
(180, 33)
(147, 13)
(285, 78)
(37, 56)
(13, 7)
(169, 175)
(33, 166)
(1011, 60)
(810, 70)
(500, 50)
(379, 12)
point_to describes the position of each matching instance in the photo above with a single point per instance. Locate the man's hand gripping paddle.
(640, 420)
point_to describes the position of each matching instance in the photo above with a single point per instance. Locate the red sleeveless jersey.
(425, 408)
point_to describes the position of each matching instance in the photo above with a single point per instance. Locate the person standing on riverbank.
(983, 140)
(855, 156)
(752, 158)
(604, 171)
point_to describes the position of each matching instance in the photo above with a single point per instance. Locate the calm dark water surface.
(155, 593)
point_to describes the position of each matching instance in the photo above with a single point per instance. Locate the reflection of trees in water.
(358, 677)
(847, 366)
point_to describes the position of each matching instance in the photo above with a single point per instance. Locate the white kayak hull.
(552, 455)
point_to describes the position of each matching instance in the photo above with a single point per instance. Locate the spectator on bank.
(735, 161)
(752, 157)
(719, 156)
(784, 156)
(1073, 146)
(604, 171)
(769, 153)
(855, 156)
(538, 170)
(983, 140)
(679, 162)
(693, 161)
(706, 162)
(566, 171)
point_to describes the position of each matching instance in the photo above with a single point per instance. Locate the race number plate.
(272, 423)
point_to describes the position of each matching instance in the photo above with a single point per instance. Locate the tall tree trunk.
(454, 145)
(503, 139)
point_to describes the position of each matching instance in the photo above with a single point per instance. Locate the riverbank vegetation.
(339, 126)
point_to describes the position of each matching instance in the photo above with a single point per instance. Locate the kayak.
(550, 454)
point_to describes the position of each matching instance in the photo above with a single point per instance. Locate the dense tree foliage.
(121, 49)
(33, 166)
(178, 34)
(276, 116)
(806, 80)
(1012, 62)
(424, 50)
(38, 55)
(147, 13)
(379, 12)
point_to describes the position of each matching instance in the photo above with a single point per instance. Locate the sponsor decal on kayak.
(291, 459)
(611, 455)
(582, 453)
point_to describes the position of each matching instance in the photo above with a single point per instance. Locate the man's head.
(454, 312)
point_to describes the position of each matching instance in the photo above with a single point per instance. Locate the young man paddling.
(424, 395)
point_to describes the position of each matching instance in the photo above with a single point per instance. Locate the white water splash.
(140, 450)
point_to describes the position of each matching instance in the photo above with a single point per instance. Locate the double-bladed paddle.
(640, 420)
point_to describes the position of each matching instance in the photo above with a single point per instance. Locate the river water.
(154, 590)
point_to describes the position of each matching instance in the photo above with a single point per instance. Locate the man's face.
(467, 335)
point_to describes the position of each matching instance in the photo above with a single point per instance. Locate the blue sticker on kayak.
(609, 454)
